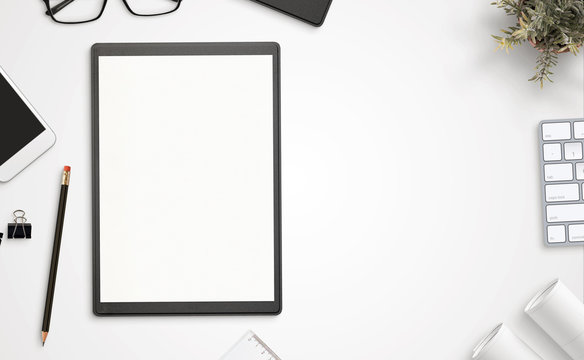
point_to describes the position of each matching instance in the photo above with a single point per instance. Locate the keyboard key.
(576, 233)
(580, 171)
(564, 192)
(552, 152)
(556, 131)
(558, 172)
(579, 130)
(556, 234)
(565, 213)
(573, 151)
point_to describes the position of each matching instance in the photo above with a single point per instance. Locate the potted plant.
(551, 26)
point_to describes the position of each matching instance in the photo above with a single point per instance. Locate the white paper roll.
(561, 315)
(503, 344)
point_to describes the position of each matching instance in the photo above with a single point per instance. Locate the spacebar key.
(565, 213)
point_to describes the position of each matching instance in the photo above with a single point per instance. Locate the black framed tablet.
(313, 12)
(186, 179)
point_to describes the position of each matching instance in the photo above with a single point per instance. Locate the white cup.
(503, 344)
(561, 315)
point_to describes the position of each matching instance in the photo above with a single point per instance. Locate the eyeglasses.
(83, 11)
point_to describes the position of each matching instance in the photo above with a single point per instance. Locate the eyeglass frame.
(65, 3)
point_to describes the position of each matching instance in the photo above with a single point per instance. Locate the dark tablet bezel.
(186, 308)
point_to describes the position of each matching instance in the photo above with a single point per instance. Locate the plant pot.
(534, 44)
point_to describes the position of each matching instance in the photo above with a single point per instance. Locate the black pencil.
(56, 251)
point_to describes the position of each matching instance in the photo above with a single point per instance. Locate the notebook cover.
(311, 11)
(185, 308)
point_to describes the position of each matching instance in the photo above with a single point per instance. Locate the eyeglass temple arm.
(60, 6)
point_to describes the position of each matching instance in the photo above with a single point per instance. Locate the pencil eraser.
(67, 168)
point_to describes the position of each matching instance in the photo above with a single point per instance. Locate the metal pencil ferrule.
(65, 178)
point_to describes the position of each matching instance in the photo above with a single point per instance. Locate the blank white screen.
(186, 178)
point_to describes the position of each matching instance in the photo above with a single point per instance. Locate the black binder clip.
(20, 229)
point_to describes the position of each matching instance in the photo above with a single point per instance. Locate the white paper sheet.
(186, 162)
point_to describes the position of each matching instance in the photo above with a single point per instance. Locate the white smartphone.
(24, 135)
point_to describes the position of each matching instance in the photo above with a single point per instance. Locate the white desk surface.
(412, 215)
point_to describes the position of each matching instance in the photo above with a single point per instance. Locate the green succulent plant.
(551, 26)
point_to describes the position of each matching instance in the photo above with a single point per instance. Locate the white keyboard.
(562, 168)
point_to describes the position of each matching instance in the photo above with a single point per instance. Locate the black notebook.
(311, 11)
(213, 111)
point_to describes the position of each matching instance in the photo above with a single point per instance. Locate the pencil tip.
(43, 343)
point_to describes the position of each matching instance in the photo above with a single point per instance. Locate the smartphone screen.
(18, 124)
